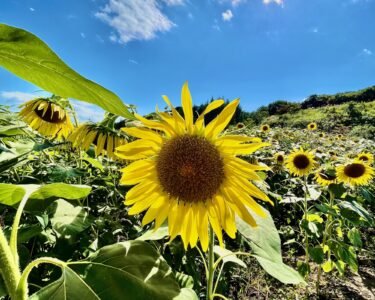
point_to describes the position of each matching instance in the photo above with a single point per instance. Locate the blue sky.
(258, 50)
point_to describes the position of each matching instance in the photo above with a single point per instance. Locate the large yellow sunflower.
(312, 126)
(325, 177)
(189, 173)
(355, 173)
(365, 157)
(300, 162)
(47, 116)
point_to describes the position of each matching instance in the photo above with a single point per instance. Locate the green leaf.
(28, 57)
(228, 256)
(11, 194)
(94, 162)
(184, 280)
(127, 270)
(69, 220)
(11, 130)
(355, 237)
(328, 266)
(340, 266)
(3, 290)
(155, 235)
(317, 254)
(356, 208)
(266, 245)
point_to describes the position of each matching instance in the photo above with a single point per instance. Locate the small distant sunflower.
(186, 172)
(322, 134)
(240, 125)
(48, 116)
(355, 173)
(312, 126)
(365, 157)
(300, 162)
(104, 138)
(265, 128)
(339, 136)
(326, 177)
(279, 158)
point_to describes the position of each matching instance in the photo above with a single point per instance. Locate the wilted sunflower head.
(279, 158)
(103, 138)
(48, 116)
(300, 162)
(240, 125)
(188, 173)
(325, 177)
(265, 128)
(365, 157)
(355, 173)
(312, 126)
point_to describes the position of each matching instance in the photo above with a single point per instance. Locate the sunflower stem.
(8, 268)
(305, 210)
(211, 268)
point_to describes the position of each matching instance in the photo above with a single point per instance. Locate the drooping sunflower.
(48, 116)
(240, 125)
(300, 162)
(355, 173)
(265, 128)
(325, 177)
(104, 138)
(190, 175)
(366, 157)
(279, 158)
(312, 126)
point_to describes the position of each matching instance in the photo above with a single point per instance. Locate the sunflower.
(321, 134)
(355, 173)
(265, 128)
(365, 157)
(240, 125)
(300, 162)
(48, 116)
(279, 158)
(189, 173)
(312, 126)
(326, 177)
(105, 139)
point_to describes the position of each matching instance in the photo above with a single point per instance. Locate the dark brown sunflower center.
(354, 170)
(363, 158)
(280, 158)
(265, 128)
(50, 116)
(190, 168)
(301, 161)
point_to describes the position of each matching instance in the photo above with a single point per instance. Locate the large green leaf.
(69, 220)
(11, 194)
(25, 55)
(3, 290)
(266, 245)
(128, 270)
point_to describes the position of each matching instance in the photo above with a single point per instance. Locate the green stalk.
(305, 210)
(210, 265)
(22, 290)
(8, 269)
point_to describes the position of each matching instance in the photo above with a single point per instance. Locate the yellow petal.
(187, 107)
(153, 211)
(137, 150)
(242, 149)
(210, 107)
(203, 226)
(143, 133)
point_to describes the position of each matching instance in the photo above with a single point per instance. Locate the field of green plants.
(178, 205)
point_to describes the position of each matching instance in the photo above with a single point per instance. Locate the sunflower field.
(174, 206)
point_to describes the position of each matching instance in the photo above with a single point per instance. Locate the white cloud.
(234, 3)
(315, 30)
(278, 2)
(190, 16)
(87, 111)
(174, 2)
(135, 19)
(366, 51)
(83, 35)
(16, 97)
(32, 9)
(227, 15)
(133, 61)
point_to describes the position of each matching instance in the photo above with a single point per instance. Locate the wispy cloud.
(135, 19)
(133, 61)
(233, 3)
(278, 2)
(83, 35)
(366, 52)
(31, 9)
(227, 15)
(15, 98)
(87, 112)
